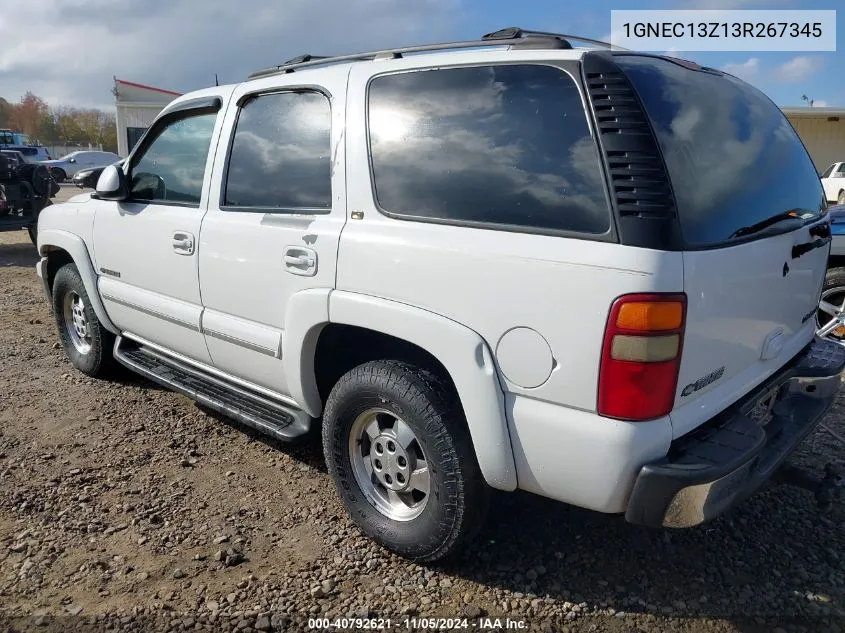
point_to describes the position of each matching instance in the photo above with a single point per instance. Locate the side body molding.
(465, 356)
(75, 246)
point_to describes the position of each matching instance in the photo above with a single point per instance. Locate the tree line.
(59, 125)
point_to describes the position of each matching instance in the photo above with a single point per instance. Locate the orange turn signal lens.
(651, 316)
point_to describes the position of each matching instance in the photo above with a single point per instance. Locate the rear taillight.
(641, 355)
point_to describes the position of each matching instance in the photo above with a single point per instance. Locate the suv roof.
(511, 37)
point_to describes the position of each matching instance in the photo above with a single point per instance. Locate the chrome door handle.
(183, 243)
(300, 261)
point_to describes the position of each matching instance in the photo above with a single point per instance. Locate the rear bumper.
(719, 464)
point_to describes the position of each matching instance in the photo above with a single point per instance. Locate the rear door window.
(732, 156)
(505, 146)
(281, 154)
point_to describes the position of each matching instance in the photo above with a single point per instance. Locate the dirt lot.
(125, 507)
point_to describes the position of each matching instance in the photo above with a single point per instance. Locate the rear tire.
(58, 174)
(841, 198)
(86, 342)
(419, 429)
(833, 292)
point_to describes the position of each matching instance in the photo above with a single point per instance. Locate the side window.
(827, 171)
(280, 159)
(841, 171)
(500, 145)
(171, 168)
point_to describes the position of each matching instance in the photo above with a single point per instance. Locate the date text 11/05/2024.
(417, 623)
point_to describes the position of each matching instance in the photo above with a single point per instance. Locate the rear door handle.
(300, 261)
(183, 243)
(802, 249)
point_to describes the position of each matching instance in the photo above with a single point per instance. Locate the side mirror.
(72, 160)
(111, 184)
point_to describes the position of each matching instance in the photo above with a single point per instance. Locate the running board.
(271, 417)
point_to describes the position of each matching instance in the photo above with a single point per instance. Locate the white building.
(137, 107)
(823, 133)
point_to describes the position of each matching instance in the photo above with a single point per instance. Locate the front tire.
(841, 198)
(86, 342)
(399, 452)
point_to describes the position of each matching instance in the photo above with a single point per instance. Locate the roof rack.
(514, 37)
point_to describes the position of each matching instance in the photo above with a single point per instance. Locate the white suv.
(506, 263)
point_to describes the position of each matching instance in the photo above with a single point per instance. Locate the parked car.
(67, 166)
(833, 181)
(831, 314)
(14, 157)
(87, 178)
(32, 154)
(472, 269)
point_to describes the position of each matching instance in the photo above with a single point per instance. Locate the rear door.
(277, 208)
(748, 199)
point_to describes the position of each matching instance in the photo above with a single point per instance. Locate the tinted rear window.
(733, 158)
(28, 151)
(491, 145)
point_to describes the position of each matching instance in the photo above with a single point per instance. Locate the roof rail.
(512, 36)
(515, 32)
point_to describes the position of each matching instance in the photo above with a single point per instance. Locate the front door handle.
(300, 261)
(183, 243)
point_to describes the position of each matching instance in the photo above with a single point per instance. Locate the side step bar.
(273, 418)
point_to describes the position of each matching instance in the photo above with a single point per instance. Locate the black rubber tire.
(32, 229)
(98, 362)
(58, 174)
(834, 278)
(458, 497)
(841, 198)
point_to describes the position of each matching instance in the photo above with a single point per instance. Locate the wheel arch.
(61, 247)
(463, 355)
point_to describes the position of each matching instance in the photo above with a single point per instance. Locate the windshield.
(733, 158)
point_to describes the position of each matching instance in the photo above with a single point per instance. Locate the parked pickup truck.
(498, 264)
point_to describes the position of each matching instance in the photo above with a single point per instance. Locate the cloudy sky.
(67, 51)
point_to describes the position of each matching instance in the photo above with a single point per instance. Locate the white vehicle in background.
(833, 181)
(506, 263)
(66, 166)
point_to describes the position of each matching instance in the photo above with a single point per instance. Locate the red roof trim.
(134, 85)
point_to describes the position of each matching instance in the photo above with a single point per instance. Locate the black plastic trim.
(200, 103)
(273, 418)
(640, 189)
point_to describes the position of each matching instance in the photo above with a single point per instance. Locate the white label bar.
(741, 30)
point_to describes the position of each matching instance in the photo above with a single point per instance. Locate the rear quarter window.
(733, 158)
(505, 146)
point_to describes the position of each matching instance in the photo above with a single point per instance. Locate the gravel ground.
(126, 507)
